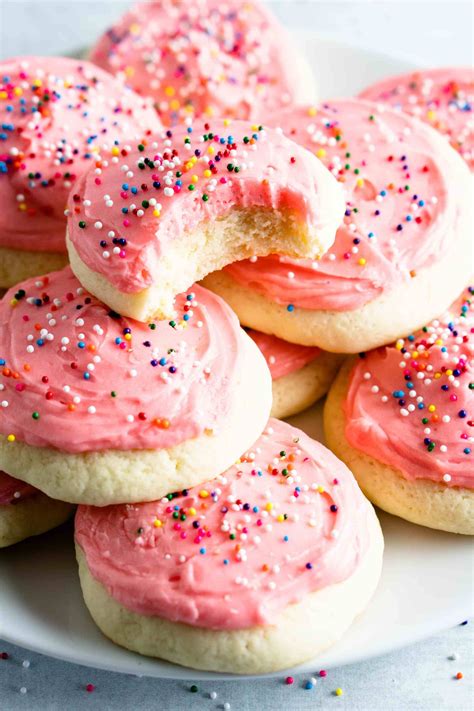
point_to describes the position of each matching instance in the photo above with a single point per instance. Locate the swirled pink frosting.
(77, 377)
(58, 116)
(405, 197)
(287, 520)
(411, 404)
(283, 357)
(443, 98)
(203, 58)
(13, 490)
(123, 220)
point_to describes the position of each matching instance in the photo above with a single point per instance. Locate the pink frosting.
(202, 58)
(411, 404)
(12, 490)
(157, 193)
(283, 357)
(286, 520)
(77, 377)
(403, 207)
(443, 98)
(58, 116)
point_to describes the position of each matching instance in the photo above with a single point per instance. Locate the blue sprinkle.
(290, 307)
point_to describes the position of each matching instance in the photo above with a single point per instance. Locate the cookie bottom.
(420, 501)
(296, 391)
(17, 264)
(30, 517)
(301, 631)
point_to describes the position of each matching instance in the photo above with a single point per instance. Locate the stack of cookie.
(208, 534)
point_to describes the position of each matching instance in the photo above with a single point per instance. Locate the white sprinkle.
(26, 664)
(91, 410)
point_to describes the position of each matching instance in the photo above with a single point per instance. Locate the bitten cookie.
(402, 418)
(25, 511)
(100, 409)
(402, 252)
(191, 201)
(206, 58)
(257, 570)
(442, 98)
(58, 116)
(300, 374)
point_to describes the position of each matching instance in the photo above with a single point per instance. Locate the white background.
(433, 32)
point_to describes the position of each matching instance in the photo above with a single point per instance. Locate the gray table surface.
(420, 677)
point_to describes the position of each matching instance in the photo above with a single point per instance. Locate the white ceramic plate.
(426, 584)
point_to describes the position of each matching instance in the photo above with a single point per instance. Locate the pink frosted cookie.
(443, 98)
(25, 511)
(195, 198)
(300, 374)
(206, 58)
(402, 418)
(100, 409)
(58, 117)
(401, 253)
(257, 570)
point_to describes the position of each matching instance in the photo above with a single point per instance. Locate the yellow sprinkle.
(437, 376)
(431, 115)
(37, 82)
(207, 173)
(203, 494)
(18, 91)
(174, 104)
(22, 206)
(362, 261)
(255, 127)
(194, 178)
(3, 95)
(129, 71)
(211, 150)
(339, 692)
(321, 152)
(192, 511)
(11, 438)
(209, 111)
(227, 122)
(431, 408)
(269, 506)
(360, 182)
(415, 354)
(170, 90)
(280, 518)
(128, 336)
(157, 523)
(115, 151)
(399, 344)
(156, 213)
(13, 302)
(321, 489)
(312, 111)
(439, 342)
(135, 28)
(449, 372)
